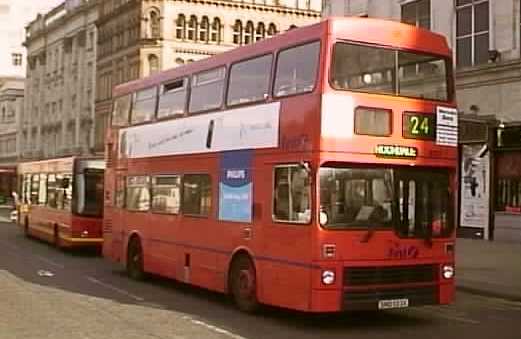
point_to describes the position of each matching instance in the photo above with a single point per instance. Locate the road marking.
(213, 328)
(114, 288)
(50, 262)
(460, 317)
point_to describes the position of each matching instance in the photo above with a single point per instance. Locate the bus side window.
(297, 69)
(166, 194)
(291, 196)
(144, 106)
(138, 194)
(249, 80)
(197, 194)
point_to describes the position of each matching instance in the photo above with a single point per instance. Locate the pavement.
(490, 268)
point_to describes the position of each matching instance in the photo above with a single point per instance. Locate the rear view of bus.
(387, 175)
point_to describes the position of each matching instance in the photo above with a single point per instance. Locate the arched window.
(155, 30)
(179, 61)
(292, 27)
(180, 27)
(192, 28)
(215, 35)
(153, 64)
(272, 30)
(237, 32)
(204, 27)
(260, 32)
(189, 61)
(248, 33)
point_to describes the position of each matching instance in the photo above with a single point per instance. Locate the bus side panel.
(39, 223)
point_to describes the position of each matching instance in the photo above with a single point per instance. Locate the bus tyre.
(26, 228)
(243, 283)
(56, 237)
(135, 259)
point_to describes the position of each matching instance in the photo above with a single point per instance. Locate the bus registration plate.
(392, 303)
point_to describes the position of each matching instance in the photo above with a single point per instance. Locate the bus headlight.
(328, 277)
(447, 271)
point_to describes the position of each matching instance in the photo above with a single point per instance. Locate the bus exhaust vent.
(363, 276)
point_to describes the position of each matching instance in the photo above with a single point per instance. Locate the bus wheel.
(244, 284)
(135, 259)
(56, 237)
(26, 228)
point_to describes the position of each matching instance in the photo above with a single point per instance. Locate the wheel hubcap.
(246, 283)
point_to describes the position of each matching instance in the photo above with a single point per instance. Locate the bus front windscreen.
(89, 186)
(382, 70)
(415, 203)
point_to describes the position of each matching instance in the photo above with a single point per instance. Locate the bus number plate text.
(392, 303)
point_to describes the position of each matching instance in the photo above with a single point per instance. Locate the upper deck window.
(374, 69)
(249, 80)
(297, 69)
(207, 90)
(121, 110)
(144, 106)
(172, 100)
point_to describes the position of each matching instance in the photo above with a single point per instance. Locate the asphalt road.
(47, 293)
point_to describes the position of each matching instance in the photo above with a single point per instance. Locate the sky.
(14, 16)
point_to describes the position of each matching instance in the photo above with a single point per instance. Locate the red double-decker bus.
(61, 200)
(315, 170)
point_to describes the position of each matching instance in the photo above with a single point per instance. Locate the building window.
(272, 30)
(260, 32)
(417, 13)
(17, 59)
(203, 29)
(155, 31)
(153, 64)
(472, 32)
(192, 28)
(180, 32)
(215, 35)
(248, 33)
(237, 32)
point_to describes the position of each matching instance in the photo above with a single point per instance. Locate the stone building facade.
(486, 40)
(140, 37)
(58, 118)
(11, 108)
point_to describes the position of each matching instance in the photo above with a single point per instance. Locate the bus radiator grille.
(368, 299)
(363, 276)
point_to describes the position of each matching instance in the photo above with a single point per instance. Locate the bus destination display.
(419, 126)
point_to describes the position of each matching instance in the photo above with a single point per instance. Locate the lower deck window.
(138, 194)
(166, 194)
(197, 194)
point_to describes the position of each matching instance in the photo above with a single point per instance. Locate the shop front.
(507, 214)
(7, 184)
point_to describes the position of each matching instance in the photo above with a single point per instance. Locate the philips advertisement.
(235, 187)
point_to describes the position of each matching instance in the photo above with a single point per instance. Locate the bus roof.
(366, 30)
